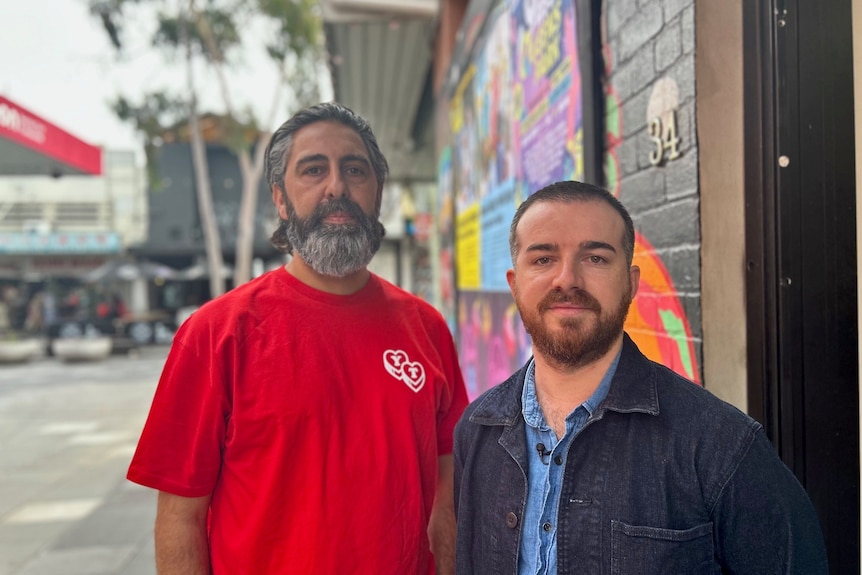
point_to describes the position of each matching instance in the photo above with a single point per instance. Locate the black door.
(801, 252)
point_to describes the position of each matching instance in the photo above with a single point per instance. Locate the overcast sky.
(56, 61)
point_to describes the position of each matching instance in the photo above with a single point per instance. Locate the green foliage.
(212, 33)
(110, 14)
(303, 82)
(299, 27)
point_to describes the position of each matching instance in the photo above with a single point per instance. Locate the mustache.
(334, 206)
(579, 298)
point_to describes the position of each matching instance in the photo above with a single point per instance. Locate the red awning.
(32, 146)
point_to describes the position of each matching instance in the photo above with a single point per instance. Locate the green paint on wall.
(675, 328)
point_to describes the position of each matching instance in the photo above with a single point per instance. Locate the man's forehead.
(327, 136)
(603, 221)
(544, 208)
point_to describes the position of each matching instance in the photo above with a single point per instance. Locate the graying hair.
(279, 147)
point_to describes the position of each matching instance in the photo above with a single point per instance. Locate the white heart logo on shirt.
(399, 366)
(413, 375)
(393, 361)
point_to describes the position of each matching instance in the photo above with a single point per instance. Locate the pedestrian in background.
(593, 459)
(303, 422)
(35, 321)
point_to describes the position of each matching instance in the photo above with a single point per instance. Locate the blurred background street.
(67, 433)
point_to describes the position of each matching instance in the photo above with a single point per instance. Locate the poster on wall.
(515, 126)
(547, 98)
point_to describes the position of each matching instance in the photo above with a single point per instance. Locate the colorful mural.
(515, 126)
(492, 342)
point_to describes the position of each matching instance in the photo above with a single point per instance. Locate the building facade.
(54, 231)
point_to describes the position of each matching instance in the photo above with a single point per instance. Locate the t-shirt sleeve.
(450, 413)
(180, 447)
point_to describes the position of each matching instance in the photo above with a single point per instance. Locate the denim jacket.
(664, 478)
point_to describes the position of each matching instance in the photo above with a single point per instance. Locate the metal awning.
(380, 57)
(32, 146)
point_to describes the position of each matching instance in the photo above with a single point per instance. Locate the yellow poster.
(468, 242)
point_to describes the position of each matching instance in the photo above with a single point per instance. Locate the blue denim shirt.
(538, 553)
(663, 478)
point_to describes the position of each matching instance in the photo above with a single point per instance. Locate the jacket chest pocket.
(636, 549)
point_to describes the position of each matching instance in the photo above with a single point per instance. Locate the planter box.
(81, 349)
(20, 350)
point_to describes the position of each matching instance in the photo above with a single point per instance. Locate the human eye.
(596, 259)
(313, 170)
(354, 171)
(542, 260)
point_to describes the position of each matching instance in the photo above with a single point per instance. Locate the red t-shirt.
(314, 420)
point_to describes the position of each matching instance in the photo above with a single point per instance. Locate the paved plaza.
(67, 433)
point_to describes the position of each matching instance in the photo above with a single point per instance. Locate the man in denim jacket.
(592, 459)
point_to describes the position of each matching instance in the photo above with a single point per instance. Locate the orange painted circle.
(657, 321)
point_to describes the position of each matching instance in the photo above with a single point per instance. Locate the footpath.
(67, 433)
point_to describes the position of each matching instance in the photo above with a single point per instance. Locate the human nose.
(569, 276)
(335, 186)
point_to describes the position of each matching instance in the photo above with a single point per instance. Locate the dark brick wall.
(651, 43)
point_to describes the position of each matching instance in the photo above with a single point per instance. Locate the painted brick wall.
(649, 53)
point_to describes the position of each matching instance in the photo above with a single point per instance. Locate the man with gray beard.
(303, 422)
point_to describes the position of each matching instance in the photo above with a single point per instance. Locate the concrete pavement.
(67, 432)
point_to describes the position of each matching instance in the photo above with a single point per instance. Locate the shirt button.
(511, 520)
(558, 460)
(547, 526)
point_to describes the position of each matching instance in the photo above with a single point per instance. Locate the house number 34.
(662, 132)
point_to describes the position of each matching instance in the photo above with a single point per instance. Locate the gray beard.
(338, 250)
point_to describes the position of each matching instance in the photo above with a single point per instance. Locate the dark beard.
(579, 345)
(332, 250)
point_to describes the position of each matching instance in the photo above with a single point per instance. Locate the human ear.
(635, 278)
(280, 201)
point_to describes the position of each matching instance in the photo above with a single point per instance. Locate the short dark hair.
(280, 144)
(572, 191)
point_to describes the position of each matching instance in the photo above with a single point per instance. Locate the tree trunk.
(251, 174)
(202, 181)
(209, 227)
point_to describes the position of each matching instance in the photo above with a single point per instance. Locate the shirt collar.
(533, 412)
